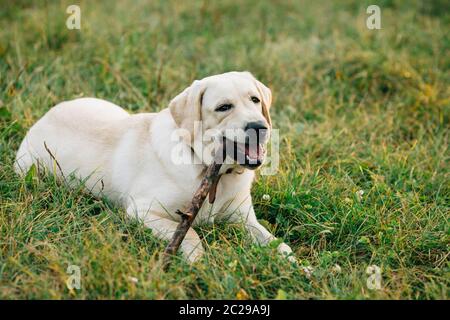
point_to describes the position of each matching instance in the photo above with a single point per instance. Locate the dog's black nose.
(256, 131)
(255, 125)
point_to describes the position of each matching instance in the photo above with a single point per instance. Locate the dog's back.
(77, 133)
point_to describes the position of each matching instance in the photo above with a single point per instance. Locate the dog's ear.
(266, 96)
(186, 107)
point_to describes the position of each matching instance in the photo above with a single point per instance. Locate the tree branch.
(209, 181)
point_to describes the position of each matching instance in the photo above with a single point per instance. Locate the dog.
(130, 158)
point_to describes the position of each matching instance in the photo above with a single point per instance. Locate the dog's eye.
(255, 99)
(224, 107)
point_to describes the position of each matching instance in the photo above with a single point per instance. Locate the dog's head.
(233, 108)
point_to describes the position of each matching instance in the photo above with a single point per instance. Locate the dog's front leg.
(164, 228)
(263, 237)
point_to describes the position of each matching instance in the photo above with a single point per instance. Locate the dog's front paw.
(191, 253)
(286, 251)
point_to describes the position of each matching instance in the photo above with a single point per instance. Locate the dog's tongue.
(245, 153)
(253, 151)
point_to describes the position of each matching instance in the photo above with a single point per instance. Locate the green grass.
(357, 109)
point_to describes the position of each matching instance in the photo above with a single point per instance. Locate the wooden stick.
(210, 180)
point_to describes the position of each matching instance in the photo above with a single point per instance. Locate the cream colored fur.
(127, 158)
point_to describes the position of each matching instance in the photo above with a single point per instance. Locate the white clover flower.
(266, 197)
(359, 194)
(133, 279)
(308, 271)
(337, 268)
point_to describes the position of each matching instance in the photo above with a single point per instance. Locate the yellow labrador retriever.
(134, 159)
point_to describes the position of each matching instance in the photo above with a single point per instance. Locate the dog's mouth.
(249, 155)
